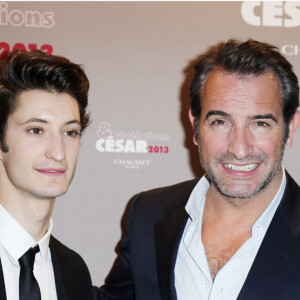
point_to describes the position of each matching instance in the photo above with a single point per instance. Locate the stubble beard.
(243, 192)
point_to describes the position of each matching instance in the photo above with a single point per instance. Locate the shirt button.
(207, 285)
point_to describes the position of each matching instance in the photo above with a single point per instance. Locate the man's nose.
(56, 148)
(240, 143)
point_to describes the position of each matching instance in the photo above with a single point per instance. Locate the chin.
(52, 193)
(241, 192)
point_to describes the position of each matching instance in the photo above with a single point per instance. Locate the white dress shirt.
(193, 279)
(14, 242)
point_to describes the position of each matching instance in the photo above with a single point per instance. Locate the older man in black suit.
(234, 234)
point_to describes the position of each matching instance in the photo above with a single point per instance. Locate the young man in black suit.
(235, 234)
(43, 102)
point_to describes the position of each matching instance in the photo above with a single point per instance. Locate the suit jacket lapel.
(274, 265)
(168, 234)
(72, 277)
(2, 284)
(275, 273)
(59, 273)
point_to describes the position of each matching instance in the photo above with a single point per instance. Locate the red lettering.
(19, 46)
(158, 149)
(48, 49)
(4, 50)
(32, 47)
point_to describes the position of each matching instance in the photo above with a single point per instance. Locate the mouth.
(52, 172)
(244, 168)
(241, 171)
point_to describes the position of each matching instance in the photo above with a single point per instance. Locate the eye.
(72, 133)
(218, 122)
(262, 124)
(35, 131)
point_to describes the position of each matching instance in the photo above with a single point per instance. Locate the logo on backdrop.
(271, 13)
(290, 49)
(26, 18)
(5, 48)
(122, 143)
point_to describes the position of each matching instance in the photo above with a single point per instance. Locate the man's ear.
(292, 128)
(192, 120)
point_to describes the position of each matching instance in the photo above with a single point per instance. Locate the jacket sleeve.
(119, 284)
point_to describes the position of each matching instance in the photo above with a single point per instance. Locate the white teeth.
(245, 168)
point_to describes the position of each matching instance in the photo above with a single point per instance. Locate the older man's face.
(241, 132)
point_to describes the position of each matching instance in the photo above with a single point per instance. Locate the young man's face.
(43, 138)
(241, 132)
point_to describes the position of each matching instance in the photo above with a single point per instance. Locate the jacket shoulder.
(70, 270)
(61, 251)
(290, 204)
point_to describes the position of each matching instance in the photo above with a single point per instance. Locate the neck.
(34, 214)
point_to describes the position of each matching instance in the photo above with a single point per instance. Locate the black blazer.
(72, 278)
(144, 269)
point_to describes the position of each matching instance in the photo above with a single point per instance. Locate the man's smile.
(245, 171)
(52, 171)
(244, 168)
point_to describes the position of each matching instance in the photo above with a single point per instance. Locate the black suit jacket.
(144, 269)
(72, 278)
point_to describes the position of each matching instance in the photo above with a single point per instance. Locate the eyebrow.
(265, 117)
(255, 117)
(37, 120)
(216, 113)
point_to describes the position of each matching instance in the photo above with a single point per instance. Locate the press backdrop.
(138, 57)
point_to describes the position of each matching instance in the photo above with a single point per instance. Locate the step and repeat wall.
(138, 57)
